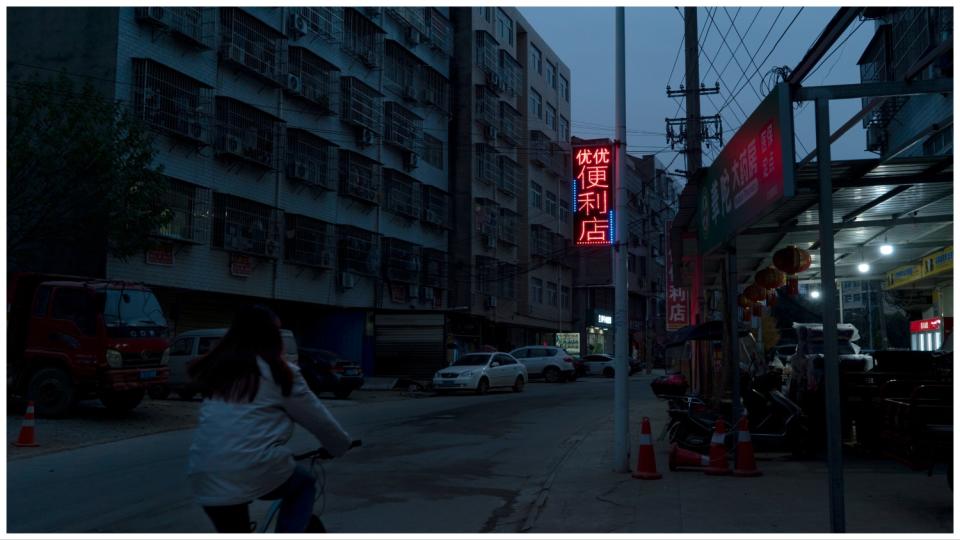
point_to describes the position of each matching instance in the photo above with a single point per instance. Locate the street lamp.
(863, 267)
(814, 294)
(886, 249)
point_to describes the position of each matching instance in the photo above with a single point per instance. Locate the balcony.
(507, 227)
(252, 44)
(324, 23)
(486, 215)
(359, 250)
(511, 125)
(311, 160)
(192, 24)
(401, 261)
(247, 133)
(436, 204)
(403, 129)
(403, 194)
(507, 180)
(310, 242)
(359, 177)
(511, 74)
(486, 162)
(439, 32)
(171, 102)
(487, 48)
(362, 38)
(189, 206)
(486, 109)
(539, 149)
(436, 89)
(245, 226)
(434, 272)
(361, 105)
(314, 79)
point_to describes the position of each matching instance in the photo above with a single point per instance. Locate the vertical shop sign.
(593, 202)
(678, 298)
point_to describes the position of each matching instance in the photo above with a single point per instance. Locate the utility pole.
(692, 63)
(621, 403)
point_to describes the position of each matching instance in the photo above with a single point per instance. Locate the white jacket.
(239, 450)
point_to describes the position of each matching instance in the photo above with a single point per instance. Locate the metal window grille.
(486, 107)
(193, 23)
(510, 124)
(402, 261)
(247, 132)
(359, 176)
(362, 39)
(551, 204)
(507, 179)
(361, 104)
(402, 127)
(324, 22)
(539, 148)
(911, 38)
(551, 293)
(309, 242)
(314, 79)
(434, 268)
(436, 204)
(359, 250)
(170, 101)
(403, 194)
(413, 20)
(541, 242)
(311, 159)
(486, 163)
(507, 280)
(189, 206)
(400, 70)
(440, 31)
(436, 89)
(511, 73)
(486, 214)
(487, 48)
(536, 290)
(244, 226)
(508, 226)
(253, 44)
(433, 151)
(486, 275)
(536, 195)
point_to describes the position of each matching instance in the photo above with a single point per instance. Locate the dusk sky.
(583, 38)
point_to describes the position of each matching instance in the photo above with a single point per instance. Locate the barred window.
(433, 151)
(436, 203)
(436, 89)
(324, 22)
(551, 293)
(507, 180)
(487, 169)
(551, 206)
(246, 132)
(536, 195)
(401, 261)
(508, 226)
(311, 159)
(309, 242)
(244, 226)
(511, 73)
(253, 44)
(486, 275)
(402, 128)
(358, 250)
(508, 280)
(536, 104)
(361, 104)
(403, 194)
(487, 48)
(193, 23)
(564, 296)
(170, 101)
(359, 177)
(361, 38)
(400, 69)
(434, 267)
(536, 290)
(189, 208)
(440, 31)
(314, 79)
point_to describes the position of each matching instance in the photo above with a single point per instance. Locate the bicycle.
(315, 457)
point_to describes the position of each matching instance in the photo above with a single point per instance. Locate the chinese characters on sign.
(593, 195)
(678, 298)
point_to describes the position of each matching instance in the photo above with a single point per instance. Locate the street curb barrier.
(718, 451)
(681, 458)
(646, 462)
(27, 436)
(746, 465)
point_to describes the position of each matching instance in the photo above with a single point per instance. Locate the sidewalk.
(584, 496)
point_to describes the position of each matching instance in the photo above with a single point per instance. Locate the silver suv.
(553, 364)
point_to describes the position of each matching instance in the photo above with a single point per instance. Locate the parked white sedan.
(480, 372)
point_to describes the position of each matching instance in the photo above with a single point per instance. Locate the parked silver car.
(480, 372)
(551, 363)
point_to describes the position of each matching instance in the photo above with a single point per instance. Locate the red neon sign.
(593, 195)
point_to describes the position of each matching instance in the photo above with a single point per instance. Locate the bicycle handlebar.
(323, 453)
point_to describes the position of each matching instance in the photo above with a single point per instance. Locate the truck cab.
(74, 338)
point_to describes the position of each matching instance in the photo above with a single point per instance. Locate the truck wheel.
(52, 391)
(122, 400)
(158, 391)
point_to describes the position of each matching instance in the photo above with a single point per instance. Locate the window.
(247, 132)
(508, 280)
(245, 226)
(536, 290)
(43, 301)
(247, 41)
(488, 13)
(564, 297)
(536, 195)
(536, 104)
(564, 211)
(359, 250)
(170, 101)
(362, 39)
(551, 75)
(403, 128)
(564, 88)
(399, 69)
(361, 104)
(551, 116)
(189, 206)
(505, 360)
(551, 293)
(402, 261)
(205, 344)
(318, 79)
(643, 267)
(536, 58)
(504, 27)
(564, 129)
(435, 206)
(403, 194)
(551, 207)
(359, 176)
(182, 347)
(433, 151)
(74, 305)
(436, 88)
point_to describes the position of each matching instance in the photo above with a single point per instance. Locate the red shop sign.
(593, 195)
(241, 265)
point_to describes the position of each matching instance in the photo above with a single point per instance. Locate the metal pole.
(828, 289)
(692, 64)
(733, 352)
(869, 311)
(840, 296)
(621, 405)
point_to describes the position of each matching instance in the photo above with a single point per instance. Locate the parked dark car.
(326, 371)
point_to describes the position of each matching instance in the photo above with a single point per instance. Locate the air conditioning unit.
(198, 131)
(369, 58)
(234, 52)
(297, 169)
(326, 259)
(294, 84)
(366, 137)
(411, 160)
(347, 280)
(232, 144)
(413, 36)
(491, 133)
(409, 92)
(490, 302)
(300, 25)
(413, 291)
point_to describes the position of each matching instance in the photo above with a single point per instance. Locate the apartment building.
(511, 280)
(307, 154)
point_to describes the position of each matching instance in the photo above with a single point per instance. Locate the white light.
(863, 268)
(886, 249)
(814, 294)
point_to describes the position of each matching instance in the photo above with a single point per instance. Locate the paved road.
(435, 465)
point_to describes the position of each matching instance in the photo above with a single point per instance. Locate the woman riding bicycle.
(252, 398)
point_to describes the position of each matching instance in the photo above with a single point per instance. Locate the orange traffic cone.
(746, 465)
(27, 435)
(646, 463)
(682, 458)
(718, 450)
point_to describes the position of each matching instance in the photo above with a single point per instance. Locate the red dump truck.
(72, 338)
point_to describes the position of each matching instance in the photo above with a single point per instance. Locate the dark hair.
(230, 370)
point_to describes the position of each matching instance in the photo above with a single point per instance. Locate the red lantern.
(770, 278)
(792, 260)
(806, 261)
(772, 298)
(754, 292)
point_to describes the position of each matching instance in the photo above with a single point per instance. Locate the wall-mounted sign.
(160, 255)
(678, 298)
(604, 319)
(903, 275)
(241, 265)
(752, 173)
(593, 204)
(938, 262)
(569, 341)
